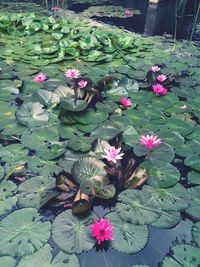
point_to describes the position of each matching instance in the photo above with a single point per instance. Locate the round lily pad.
(72, 234)
(137, 207)
(194, 177)
(194, 209)
(196, 233)
(7, 261)
(43, 257)
(32, 114)
(22, 232)
(183, 255)
(35, 192)
(8, 196)
(160, 154)
(91, 117)
(162, 176)
(133, 238)
(167, 220)
(175, 198)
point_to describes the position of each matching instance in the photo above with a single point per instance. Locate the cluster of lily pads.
(61, 136)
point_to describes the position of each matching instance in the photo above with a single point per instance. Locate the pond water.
(51, 131)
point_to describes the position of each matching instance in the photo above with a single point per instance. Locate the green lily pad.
(43, 257)
(137, 207)
(175, 198)
(196, 233)
(32, 114)
(70, 104)
(133, 238)
(194, 209)
(183, 255)
(162, 175)
(91, 117)
(160, 154)
(72, 234)
(47, 98)
(194, 177)
(130, 136)
(22, 233)
(43, 167)
(13, 153)
(80, 143)
(7, 261)
(8, 196)
(168, 220)
(35, 192)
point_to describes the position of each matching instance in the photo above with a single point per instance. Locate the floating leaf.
(13, 153)
(47, 98)
(160, 154)
(32, 114)
(22, 232)
(130, 136)
(7, 261)
(183, 255)
(71, 104)
(8, 196)
(91, 117)
(43, 257)
(194, 177)
(196, 233)
(194, 209)
(35, 192)
(72, 234)
(137, 207)
(162, 176)
(133, 238)
(167, 220)
(175, 198)
(87, 168)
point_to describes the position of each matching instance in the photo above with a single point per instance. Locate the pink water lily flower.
(155, 69)
(72, 73)
(82, 84)
(159, 90)
(161, 78)
(127, 13)
(126, 102)
(113, 154)
(40, 78)
(102, 230)
(56, 8)
(150, 141)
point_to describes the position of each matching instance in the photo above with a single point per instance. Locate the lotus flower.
(155, 69)
(126, 102)
(127, 13)
(40, 78)
(56, 8)
(150, 141)
(161, 78)
(113, 154)
(102, 230)
(159, 90)
(72, 73)
(82, 84)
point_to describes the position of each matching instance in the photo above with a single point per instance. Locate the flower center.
(102, 232)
